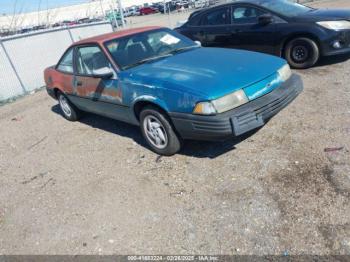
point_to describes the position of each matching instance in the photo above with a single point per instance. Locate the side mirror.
(265, 19)
(198, 43)
(103, 73)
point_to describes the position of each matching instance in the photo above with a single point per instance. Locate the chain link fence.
(23, 58)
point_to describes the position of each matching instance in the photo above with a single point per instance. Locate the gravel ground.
(92, 187)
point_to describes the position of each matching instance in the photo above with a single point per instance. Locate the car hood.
(317, 15)
(210, 72)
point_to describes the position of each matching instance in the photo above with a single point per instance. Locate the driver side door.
(214, 28)
(246, 31)
(95, 93)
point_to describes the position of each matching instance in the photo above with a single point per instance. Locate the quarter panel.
(55, 79)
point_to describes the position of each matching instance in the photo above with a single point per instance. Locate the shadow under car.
(199, 149)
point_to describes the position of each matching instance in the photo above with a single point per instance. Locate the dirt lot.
(92, 187)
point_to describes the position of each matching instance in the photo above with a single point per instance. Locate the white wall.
(73, 12)
(31, 54)
(79, 33)
(9, 85)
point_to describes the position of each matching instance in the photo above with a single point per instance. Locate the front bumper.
(343, 37)
(239, 120)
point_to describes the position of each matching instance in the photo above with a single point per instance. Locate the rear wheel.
(69, 111)
(302, 53)
(158, 132)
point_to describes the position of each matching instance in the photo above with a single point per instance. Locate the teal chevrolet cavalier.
(170, 86)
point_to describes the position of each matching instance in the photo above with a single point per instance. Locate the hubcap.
(65, 106)
(300, 53)
(155, 132)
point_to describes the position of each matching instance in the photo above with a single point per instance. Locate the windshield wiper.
(150, 59)
(178, 50)
(146, 60)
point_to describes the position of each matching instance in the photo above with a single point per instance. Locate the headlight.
(222, 104)
(335, 25)
(204, 108)
(285, 73)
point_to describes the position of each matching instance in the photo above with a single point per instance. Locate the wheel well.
(142, 104)
(55, 90)
(290, 38)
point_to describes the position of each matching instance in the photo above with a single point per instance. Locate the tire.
(302, 53)
(158, 132)
(69, 111)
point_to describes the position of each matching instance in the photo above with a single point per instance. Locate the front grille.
(345, 38)
(275, 106)
(256, 117)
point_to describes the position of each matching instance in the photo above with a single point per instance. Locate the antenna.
(39, 6)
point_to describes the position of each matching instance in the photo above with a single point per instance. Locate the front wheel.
(302, 53)
(158, 132)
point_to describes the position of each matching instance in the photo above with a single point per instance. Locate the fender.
(297, 34)
(152, 100)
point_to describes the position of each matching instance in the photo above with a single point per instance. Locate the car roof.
(100, 39)
(201, 11)
(233, 2)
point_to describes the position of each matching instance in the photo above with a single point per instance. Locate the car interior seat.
(248, 12)
(99, 61)
(136, 53)
(85, 64)
(121, 57)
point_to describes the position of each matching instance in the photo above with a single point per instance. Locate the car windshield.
(147, 46)
(285, 7)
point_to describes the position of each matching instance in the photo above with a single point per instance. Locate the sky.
(11, 6)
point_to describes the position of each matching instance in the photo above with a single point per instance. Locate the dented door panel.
(100, 96)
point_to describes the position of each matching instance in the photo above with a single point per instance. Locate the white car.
(126, 13)
(201, 3)
(134, 11)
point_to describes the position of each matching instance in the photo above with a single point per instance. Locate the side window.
(91, 60)
(194, 20)
(66, 63)
(216, 17)
(246, 15)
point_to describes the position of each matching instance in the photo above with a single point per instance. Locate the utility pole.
(167, 10)
(121, 12)
(39, 7)
(102, 10)
(47, 14)
(112, 9)
(13, 18)
(169, 3)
